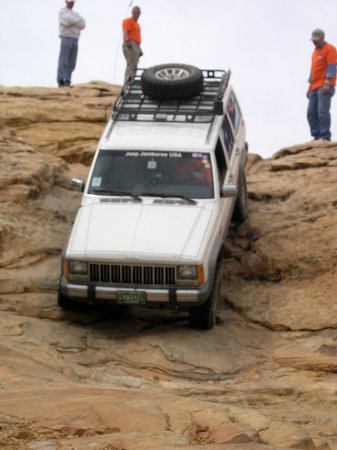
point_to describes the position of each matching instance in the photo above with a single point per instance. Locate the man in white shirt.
(71, 24)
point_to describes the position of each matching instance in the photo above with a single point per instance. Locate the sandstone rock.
(290, 269)
(287, 435)
(264, 377)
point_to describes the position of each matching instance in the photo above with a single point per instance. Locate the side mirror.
(229, 190)
(77, 184)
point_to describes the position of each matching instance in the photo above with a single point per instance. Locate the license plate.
(131, 298)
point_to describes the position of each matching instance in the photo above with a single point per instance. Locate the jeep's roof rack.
(133, 105)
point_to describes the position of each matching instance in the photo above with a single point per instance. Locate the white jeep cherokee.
(165, 183)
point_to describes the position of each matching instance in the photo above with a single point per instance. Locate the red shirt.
(321, 58)
(133, 29)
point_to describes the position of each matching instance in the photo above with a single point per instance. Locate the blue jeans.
(67, 60)
(319, 113)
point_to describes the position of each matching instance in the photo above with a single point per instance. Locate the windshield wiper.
(183, 197)
(116, 193)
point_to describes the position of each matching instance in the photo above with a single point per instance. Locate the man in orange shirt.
(322, 86)
(131, 43)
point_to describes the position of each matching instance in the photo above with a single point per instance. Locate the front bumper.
(169, 297)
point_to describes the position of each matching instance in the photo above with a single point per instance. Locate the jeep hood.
(135, 231)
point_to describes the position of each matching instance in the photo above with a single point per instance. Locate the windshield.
(154, 173)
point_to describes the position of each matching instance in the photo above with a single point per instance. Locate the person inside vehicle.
(193, 171)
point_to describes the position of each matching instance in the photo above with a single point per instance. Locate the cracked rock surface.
(264, 378)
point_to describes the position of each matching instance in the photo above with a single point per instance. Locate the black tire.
(67, 304)
(203, 317)
(172, 81)
(240, 211)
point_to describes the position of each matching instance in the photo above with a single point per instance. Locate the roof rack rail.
(133, 105)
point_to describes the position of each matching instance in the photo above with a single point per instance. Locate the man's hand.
(326, 87)
(140, 52)
(128, 44)
(308, 92)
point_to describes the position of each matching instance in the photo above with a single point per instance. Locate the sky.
(265, 43)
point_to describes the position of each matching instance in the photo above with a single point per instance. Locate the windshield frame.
(136, 173)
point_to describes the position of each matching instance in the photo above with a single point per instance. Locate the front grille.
(132, 274)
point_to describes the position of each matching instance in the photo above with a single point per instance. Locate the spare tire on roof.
(172, 81)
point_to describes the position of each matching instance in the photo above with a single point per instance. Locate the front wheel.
(67, 304)
(172, 81)
(203, 317)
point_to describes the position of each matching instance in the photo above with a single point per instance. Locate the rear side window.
(228, 135)
(233, 111)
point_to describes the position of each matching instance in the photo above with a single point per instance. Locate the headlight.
(190, 275)
(187, 272)
(77, 267)
(75, 270)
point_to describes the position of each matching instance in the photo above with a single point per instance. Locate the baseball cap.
(70, 1)
(317, 34)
